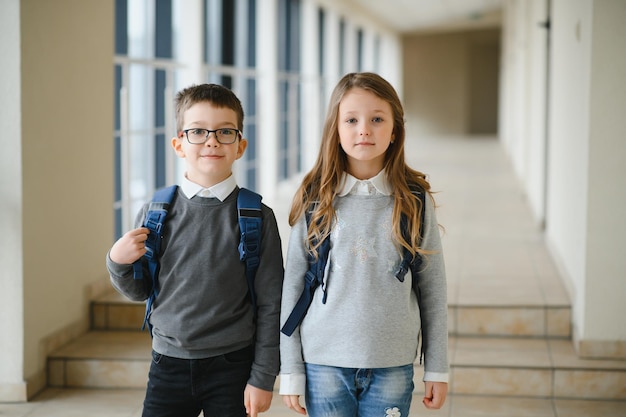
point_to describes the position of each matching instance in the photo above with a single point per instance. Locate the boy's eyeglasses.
(225, 136)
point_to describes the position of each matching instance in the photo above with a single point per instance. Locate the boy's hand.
(130, 247)
(435, 394)
(293, 402)
(256, 400)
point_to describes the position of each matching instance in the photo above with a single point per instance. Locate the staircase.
(504, 350)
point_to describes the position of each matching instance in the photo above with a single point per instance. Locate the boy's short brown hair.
(217, 94)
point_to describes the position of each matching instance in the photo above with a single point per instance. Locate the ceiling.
(408, 16)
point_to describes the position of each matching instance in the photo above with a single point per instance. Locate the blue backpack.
(314, 277)
(250, 224)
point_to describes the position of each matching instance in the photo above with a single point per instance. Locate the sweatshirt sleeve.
(292, 362)
(433, 301)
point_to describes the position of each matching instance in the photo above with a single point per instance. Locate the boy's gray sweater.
(370, 319)
(203, 308)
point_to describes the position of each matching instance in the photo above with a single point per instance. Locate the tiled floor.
(495, 256)
(127, 403)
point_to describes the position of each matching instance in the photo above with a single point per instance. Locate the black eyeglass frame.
(217, 137)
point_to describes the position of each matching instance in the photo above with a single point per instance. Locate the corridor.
(509, 314)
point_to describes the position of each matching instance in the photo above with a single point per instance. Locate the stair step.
(530, 367)
(510, 321)
(102, 359)
(114, 312)
(515, 367)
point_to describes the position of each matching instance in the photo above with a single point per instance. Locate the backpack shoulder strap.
(154, 220)
(313, 278)
(250, 226)
(408, 261)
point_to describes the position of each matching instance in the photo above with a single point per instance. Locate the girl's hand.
(293, 402)
(130, 247)
(435, 394)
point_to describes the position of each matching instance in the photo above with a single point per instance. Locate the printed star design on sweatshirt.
(334, 235)
(392, 264)
(363, 248)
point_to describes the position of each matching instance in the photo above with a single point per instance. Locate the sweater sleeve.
(292, 362)
(122, 275)
(433, 301)
(268, 286)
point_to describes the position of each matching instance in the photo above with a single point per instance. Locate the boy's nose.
(212, 139)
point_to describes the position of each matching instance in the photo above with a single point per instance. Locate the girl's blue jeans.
(350, 392)
(184, 387)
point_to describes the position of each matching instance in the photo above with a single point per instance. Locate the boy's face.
(209, 163)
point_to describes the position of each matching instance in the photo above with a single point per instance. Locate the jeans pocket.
(156, 357)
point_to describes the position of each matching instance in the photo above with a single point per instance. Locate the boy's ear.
(241, 147)
(177, 144)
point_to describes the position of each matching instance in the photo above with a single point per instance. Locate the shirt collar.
(376, 184)
(220, 191)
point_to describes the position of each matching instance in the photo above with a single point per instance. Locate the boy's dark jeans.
(184, 387)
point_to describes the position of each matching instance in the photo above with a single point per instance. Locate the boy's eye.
(198, 132)
(226, 132)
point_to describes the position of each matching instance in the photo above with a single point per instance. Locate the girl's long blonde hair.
(319, 186)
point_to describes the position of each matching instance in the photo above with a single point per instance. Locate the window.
(289, 88)
(359, 49)
(230, 60)
(150, 64)
(143, 74)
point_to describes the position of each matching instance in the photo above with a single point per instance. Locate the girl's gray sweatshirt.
(370, 318)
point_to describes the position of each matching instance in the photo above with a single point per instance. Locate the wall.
(12, 386)
(604, 333)
(523, 113)
(569, 145)
(65, 135)
(446, 76)
(580, 160)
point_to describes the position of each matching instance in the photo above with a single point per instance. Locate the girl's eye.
(377, 119)
(352, 120)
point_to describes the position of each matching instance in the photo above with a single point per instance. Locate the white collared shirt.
(219, 191)
(353, 185)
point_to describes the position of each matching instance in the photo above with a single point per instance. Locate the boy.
(210, 352)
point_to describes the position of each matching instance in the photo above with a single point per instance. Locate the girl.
(353, 353)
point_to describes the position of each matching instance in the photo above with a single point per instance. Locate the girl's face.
(209, 163)
(365, 128)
